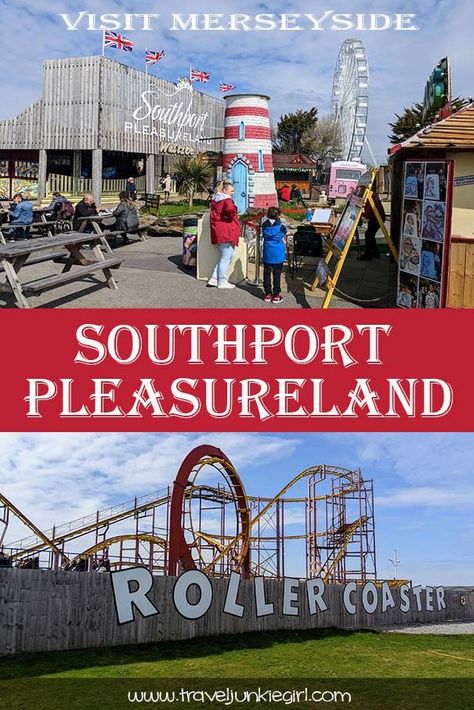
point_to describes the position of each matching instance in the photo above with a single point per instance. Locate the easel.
(359, 201)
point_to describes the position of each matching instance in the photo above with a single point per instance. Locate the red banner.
(236, 370)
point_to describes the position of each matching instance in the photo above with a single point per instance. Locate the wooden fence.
(67, 185)
(51, 611)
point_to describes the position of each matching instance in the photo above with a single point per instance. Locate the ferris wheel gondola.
(350, 98)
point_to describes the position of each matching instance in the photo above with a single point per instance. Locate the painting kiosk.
(339, 242)
(247, 163)
(433, 214)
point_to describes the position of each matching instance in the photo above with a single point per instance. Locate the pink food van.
(344, 178)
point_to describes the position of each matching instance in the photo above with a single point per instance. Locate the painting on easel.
(339, 243)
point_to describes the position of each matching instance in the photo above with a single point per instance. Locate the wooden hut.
(98, 122)
(294, 169)
(433, 213)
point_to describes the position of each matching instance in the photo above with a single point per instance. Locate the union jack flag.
(111, 39)
(153, 57)
(225, 87)
(197, 75)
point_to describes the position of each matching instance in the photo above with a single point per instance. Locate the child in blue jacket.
(274, 254)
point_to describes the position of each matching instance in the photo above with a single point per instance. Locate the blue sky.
(424, 483)
(294, 68)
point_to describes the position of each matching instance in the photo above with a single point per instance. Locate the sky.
(294, 68)
(424, 484)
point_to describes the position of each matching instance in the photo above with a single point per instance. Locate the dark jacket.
(131, 190)
(83, 210)
(274, 247)
(126, 216)
(225, 225)
(368, 211)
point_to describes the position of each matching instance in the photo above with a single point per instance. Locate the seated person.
(85, 208)
(284, 193)
(55, 205)
(126, 217)
(296, 195)
(21, 215)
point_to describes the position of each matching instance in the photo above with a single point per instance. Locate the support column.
(76, 171)
(97, 175)
(150, 174)
(42, 173)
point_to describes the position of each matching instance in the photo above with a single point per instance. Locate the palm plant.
(195, 173)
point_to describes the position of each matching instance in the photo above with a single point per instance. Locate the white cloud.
(428, 497)
(54, 478)
(295, 69)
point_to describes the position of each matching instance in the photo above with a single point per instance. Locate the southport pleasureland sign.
(132, 586)
(169, 116)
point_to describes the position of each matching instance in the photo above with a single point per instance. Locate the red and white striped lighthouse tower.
(247, 157)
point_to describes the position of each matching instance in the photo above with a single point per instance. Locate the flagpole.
(103, 43)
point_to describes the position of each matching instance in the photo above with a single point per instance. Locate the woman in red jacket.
(225, 233)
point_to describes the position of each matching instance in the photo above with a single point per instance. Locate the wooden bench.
(152, 202)
(49, 282)
(140, 232)
(15, 255)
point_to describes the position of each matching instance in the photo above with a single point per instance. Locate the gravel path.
(448, 628)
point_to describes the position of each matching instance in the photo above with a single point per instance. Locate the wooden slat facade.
(52, 611)
(86, 102)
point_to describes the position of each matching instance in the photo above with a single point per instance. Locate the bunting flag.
(153, 57)
(196, 75)
(111, 39)
(225, 87)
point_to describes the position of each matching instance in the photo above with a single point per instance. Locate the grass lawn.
(74, 679)
(322, 654)
(176, 209)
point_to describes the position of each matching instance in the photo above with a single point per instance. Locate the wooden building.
(100, 120)
(433, 199)
(294, 169)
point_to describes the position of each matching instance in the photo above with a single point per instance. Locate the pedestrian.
(126, 217)
(131, 189)
(274, 254)
(85, 208)
(371, 249)
(166, 185)
(225, 232)
(21, 216)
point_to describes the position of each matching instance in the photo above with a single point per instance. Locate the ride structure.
(350, 97)
(320, 524)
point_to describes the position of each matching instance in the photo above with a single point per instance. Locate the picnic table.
(15, 255)
(97, 224)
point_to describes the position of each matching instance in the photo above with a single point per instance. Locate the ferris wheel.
(350, 99)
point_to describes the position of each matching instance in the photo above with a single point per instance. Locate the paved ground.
(152, 277)
(448, 628)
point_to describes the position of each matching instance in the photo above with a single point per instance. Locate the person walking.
(21, 216)
(225, 232)
(131, 189)
(274, 253)
(166, 185)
